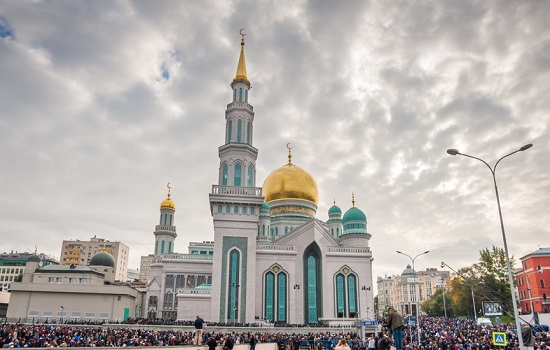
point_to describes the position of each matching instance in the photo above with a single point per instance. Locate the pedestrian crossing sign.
(499, 339)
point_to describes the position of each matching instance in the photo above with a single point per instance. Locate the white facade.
(270, 258)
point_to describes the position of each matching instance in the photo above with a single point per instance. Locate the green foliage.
(435, 305)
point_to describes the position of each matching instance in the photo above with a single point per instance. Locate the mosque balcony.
(237, 190)
(179, 256)
(273, 247)
(195, 291)
(165, 228)
(240, 105)
(351, 250)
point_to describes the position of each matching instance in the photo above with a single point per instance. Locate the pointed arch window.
(229, 130)
(312, 280)
(240, 94)
(237, 175)
(250, 176)
(275, 294)
(239, 130)
(219, 208)
(245, 95)
(234, 273)
(252, 210)
(162, 247)
(228, 209)
(345, 284)
(156, 247)
(169, 246)
(171, 219)
(248, 127)
(234, 95)
(225, 171)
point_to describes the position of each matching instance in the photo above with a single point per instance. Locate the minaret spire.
(241, 67)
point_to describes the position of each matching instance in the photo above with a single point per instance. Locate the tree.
(435, 306)
(487, 278)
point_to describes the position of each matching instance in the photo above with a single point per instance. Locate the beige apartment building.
(77, 252)
(407, 291)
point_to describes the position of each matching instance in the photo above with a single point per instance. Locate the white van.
(484, 322)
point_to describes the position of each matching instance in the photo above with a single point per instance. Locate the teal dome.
(335, 210)
(354, 214)
(102, 259)
(265, 206)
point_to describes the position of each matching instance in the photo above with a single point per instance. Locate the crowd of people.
(436, 334)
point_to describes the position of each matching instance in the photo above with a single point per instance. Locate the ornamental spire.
(241, 66)
(352, 199)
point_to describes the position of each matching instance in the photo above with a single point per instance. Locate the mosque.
(271, 258)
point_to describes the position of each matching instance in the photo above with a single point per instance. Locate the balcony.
(237, 190)
(238, 104)
(165, 228)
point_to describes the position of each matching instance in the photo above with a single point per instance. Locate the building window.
(234, 95)
(72, 280)
(244, 209)
(253, 210)
(229, 130)
(220, 208)
(250, 177)
(169, 246)
(269, 295)
(162, 247)
(228, 209)
(240, 94)
(248, 127)
(238, 175)
(236, 209)
(246, 95)
(225, 169)
(239, 130)
(542, 283)
(234, 273)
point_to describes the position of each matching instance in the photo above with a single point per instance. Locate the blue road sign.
(368, 323)
(499, 339)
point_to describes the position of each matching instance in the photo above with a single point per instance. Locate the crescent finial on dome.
(289, 153)
(352, 199)
(169, 189)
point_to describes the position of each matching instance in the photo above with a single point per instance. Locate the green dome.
(265, 206)
(335, 210)
(102, 259)
(354, 214)
(34, 258)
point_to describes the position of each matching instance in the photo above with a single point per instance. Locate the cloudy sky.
(104, 102)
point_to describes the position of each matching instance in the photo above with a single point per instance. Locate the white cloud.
(371, 95)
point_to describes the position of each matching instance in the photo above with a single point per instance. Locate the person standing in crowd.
(342, 345)
(395, 323)
(228, 344)
(199, 324)
(371, 343)
(252, 341)
(212, 343)
(384, 343)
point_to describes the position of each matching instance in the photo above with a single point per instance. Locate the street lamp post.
(455, 152)
(415, 296)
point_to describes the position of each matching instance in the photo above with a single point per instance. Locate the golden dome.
(290, 182)
(168, 203)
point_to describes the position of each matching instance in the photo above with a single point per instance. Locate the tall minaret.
(235, 204)
(165, 231)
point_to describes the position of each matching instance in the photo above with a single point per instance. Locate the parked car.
(539, 328)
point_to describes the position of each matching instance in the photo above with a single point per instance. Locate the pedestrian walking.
(199, 324)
